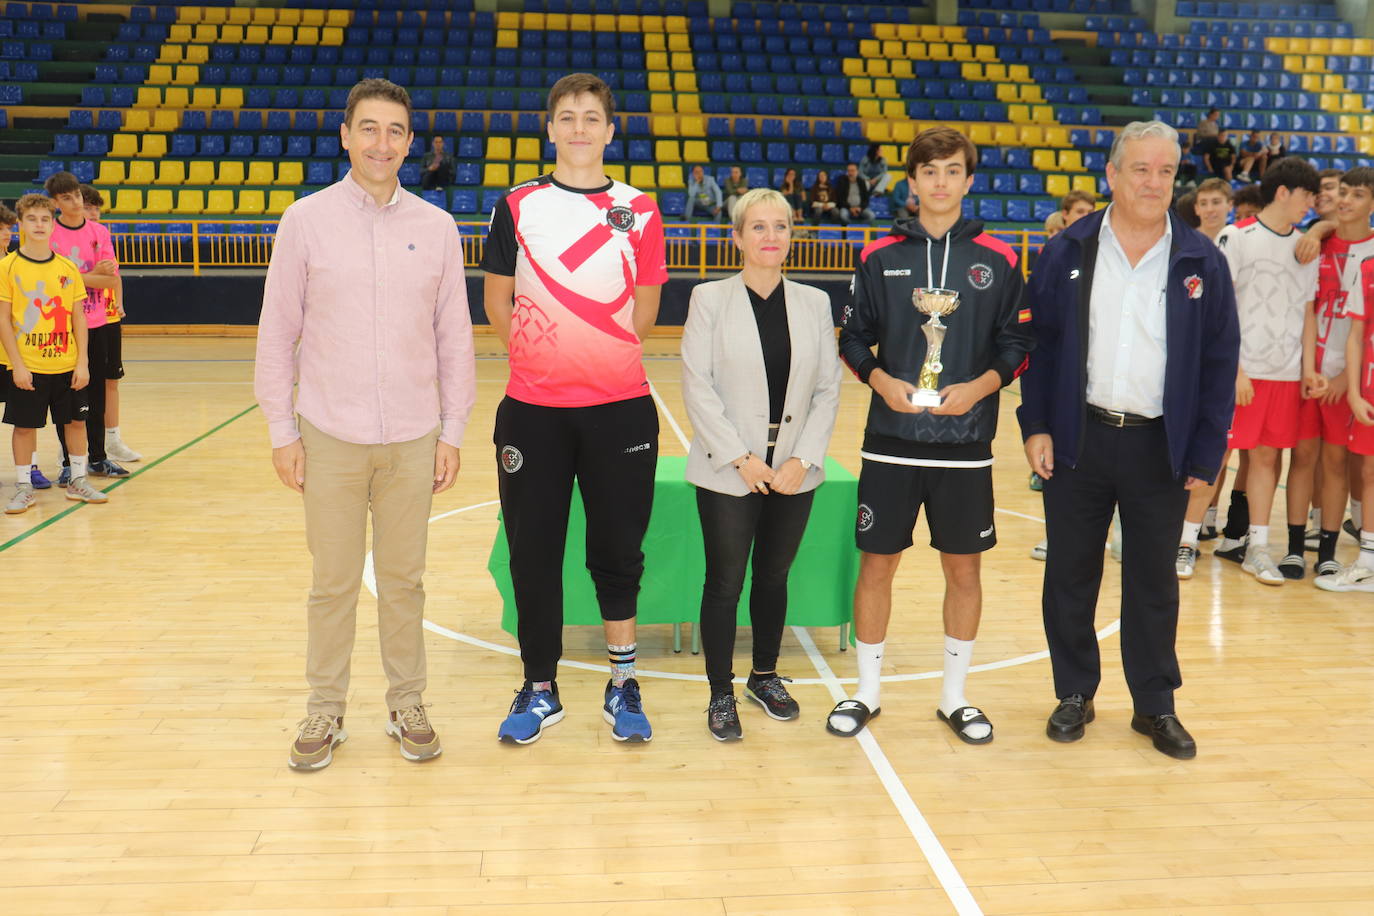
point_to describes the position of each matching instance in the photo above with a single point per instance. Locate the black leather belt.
(1118, 419)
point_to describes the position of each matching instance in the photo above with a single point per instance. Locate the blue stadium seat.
(319, 172)
(468, 173)
(1019, 211)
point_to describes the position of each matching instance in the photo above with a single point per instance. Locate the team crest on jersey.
(1193, 285)
(511, 459)
(980, 275)
(620, 218)
(844, 315)
(865, 521)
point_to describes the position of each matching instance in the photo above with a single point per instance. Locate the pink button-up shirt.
(367, 308)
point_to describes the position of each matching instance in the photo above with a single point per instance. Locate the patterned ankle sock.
(622, 663)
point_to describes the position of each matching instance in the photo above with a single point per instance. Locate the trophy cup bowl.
(935, 303)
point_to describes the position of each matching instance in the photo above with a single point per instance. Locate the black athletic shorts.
(958, 503)
(106, 356)
(51, 395)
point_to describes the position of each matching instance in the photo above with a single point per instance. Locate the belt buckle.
(1114, 417)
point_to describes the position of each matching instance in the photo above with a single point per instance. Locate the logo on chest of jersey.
(622, 219)
(980, 276)
(897, 272)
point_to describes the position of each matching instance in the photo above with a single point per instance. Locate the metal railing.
(699, 248)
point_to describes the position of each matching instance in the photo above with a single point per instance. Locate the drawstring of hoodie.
(944, 270)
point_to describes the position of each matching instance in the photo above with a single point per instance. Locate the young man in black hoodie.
(939, 457)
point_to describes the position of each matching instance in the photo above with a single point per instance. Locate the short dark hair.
(92, 197)
(1074, 197)
(374, 88)
(1291, 172)
(1331, 173)
(34, 201)
(940, 143)
(7, 218)
(1250, 194)
(1217, 186)
(1361, 176)
(579, 83)
(1183, 208)
(61, 183)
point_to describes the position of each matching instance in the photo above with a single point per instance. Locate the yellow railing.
(700, 249)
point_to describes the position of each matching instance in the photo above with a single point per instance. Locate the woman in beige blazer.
(761, 379)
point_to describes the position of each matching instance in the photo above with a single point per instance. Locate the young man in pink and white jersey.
(87, 244)
(115, 446)
(574, 263)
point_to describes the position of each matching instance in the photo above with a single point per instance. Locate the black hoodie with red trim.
(989, 330)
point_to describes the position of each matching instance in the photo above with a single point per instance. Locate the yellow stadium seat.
(685, 82)
(281, 35)
(154, 146)
(1070, 160)
(499, 148)
(1333, 82)
(664, 126)
(290, 173)
(678, 42)
(219, 203)
(256, 34)
(870, 108)
(158, 201)
(203, 97)
(903, 133)
(313, 18)
(1042, 160)
(141, 172)
(614, 171)
(870, 47)
(1342, 45)
(1085, 183)
(852, 66)
(289, 15)
(171, 54)
(166, 120)
(651, 23)
(215, 15)
(695, 151)
(507, 38)
(984, 52)
(961, 52)
(971, 71)
(186, 75)
(602, 22)
(625, 22)
(884, 30)
(251, 203)
(681, 61)
(894, 109)
(656, 42)
(938, 50)
(191, 15)
(534, 21)
(1005, 134)
(1006, 92)
(138, 120)
(507, 20)
(1329, 101)
(667, 151)
(878, 131)
(179, 34)
(995, 73)
(876, 67)
(200, 171)
(307, 35)
(861, 87)
(660, 81)
(1032, 135)
(522, 172)
(496, 175)
(661, 103)
(558, 22)
(691, 126)
(1276, 45)
(1018, 114)
(980, 133)
(1018, 73)
(901, 69)
(891, 49)
(675, 24)
(907, 32)
(1029, 92)
(528, 149)
(260, 172)
(916, 50)
(670, 176)
(1041, 114)
(231, 97)
(1057, 185)
(689, 103)
(642, 176)
(240, 15)
(230, 173)
(331, 35)
(1362, 46)
(148, 97)
(1321, 46)
(885, 88)
(111, 173)
(1310, 82)
(278, 201)
(171, 171)
(1057, 137)
(176, 97)
(231, 34)
(952, 33)
(1314, 63)
(125, 146)
(891, 153)
(263, 15)
(196, 54)
(127, 200)
(581, 22)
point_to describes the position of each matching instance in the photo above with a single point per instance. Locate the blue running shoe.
(65, 478)
(625, 711)
(38, 480)
(531, 713)
(107, 468)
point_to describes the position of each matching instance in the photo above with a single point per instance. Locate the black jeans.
(611, 450)
(1128, 468)
(773, 526)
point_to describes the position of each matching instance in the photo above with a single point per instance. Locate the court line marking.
(119, 482)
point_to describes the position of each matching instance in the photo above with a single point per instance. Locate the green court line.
(123, 480)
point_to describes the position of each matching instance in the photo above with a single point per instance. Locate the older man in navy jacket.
(1126, 402)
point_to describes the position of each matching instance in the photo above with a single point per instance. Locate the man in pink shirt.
(366, 307)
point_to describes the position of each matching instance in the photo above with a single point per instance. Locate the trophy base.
(924, 397)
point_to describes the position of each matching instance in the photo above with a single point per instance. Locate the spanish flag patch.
(1023, 316)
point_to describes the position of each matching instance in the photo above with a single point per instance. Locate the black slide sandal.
(959, 721)
(854, 710)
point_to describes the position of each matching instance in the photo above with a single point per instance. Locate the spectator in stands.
(851, 196)
(7, 221)
(1187, 162)
(703, 194)
(1054, 224)
(437, 167)
(1076, 205)
(1254, 156)
(1220, 157)
(1211, 206)
(1247, 202)
(873, 167)
(795, 195)
(1210, 126)
(735, 186)
(904, 202)
(1275, 147)
(822, 196)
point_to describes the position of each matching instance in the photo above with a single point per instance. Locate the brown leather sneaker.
(410, 726)
(314, 746)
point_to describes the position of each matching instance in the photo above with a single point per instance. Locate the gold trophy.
(935, 303)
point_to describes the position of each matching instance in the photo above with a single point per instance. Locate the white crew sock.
(21, 474)
(1190, 534)
(33, 459)
(112, 433)
(1366, 557)
(1259, 535)
(870, 659)
(1210, 519)
(78, 466)
(958, 656)
(1357, 514)
(1314, 520)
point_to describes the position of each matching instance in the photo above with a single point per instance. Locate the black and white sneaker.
(1208, 531)
(1293, 566)
(1232, 549)
(1349, 528)
(722, 719)
(768, 691)
(1328, 568)
(1186, 563)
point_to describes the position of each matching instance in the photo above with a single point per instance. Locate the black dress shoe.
(1067, 721)
(1168, 734)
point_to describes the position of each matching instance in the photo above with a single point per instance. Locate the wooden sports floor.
(151, 678)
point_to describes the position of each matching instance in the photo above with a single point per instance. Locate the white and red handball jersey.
(1338, 287)
(576, 256)
(1272, 289)
(1357, 310)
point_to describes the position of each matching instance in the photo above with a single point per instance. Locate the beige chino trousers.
(343, 481)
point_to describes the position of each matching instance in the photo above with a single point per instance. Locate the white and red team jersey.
(576, 256)
(1338, 290)
(1357, 311)
(1272, 290)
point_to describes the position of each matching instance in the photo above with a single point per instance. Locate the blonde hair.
(1054, 223)
(754, 198)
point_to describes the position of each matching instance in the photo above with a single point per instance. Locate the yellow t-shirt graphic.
(40, 296)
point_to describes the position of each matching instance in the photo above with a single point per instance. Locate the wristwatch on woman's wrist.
(806, 465)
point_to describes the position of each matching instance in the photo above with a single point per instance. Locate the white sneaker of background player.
(1259, 564)
(1354, 578)
(24, 498)
(117, 450)
(1116, 537)
(1041, 550)
(81, 491)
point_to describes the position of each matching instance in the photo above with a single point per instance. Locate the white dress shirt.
(1126, 326)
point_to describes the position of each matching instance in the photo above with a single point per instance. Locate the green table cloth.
(820, 587)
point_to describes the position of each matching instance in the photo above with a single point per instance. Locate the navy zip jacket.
(1202, 334)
